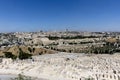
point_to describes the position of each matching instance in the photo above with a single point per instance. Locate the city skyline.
(50, 15)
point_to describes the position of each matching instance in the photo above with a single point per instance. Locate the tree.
(10, 55)
(23, 55)
(33, 49)
(29, 49)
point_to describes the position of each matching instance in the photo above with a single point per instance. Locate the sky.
(51, 15)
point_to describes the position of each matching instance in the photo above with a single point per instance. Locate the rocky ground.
(66, 66)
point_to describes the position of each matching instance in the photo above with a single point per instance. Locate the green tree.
(29, 49)
(10, 55)
(23, 55)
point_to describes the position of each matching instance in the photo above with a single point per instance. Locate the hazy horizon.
(51, 15)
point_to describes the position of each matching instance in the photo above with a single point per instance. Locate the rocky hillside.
(30, 50)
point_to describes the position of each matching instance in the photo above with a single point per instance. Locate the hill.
(15, 50)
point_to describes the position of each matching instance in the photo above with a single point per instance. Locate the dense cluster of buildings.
(66, 41)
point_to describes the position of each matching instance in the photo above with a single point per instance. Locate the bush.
(33, 49)
(89, 79)
(29, 49)
(23, 55)
(22, 77)
(10, 55)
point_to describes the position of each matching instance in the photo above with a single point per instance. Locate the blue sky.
(81, 15)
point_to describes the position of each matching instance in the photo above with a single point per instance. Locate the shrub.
(29, 49)
(23, 55)
(22, 77)
(10, 55)
(33, 49)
